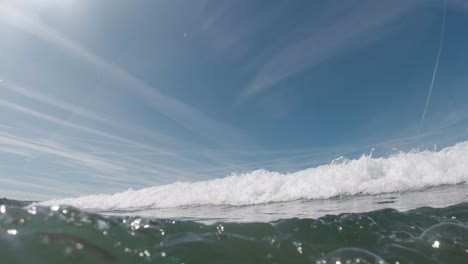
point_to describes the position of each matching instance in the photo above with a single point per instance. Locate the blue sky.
(103, 96)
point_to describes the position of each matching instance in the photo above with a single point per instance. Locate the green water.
(68, 235)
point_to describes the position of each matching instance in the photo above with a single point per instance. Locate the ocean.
(409, 207)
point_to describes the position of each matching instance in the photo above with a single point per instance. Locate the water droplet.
(298, 246)
(351, 255)
(135, 225)
(102, 225)
(68, 250)
(32, 210)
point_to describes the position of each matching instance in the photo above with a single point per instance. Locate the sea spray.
(367, 175)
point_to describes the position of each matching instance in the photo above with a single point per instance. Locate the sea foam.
(367, 175)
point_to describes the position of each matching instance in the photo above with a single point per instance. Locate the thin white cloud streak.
(87, 114)
(139, 170)
(125, 168)
(79, 111)
(52, 119)
(15, 151)
(343, 36)
(163, 171)
(43, 185)
(88, 161)
(178, 111)
(107, 171)
(436, 66)
(155, 167)
(53, 102)
(232, 38)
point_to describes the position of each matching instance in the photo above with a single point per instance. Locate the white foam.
(366, 175)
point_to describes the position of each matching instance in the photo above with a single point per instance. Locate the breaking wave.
(367, 175)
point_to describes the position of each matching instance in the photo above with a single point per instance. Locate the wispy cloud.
(228, 36)
(88, 114)
(52, 119)
(88, 161)
(128, 148)
(107, 170)
(32, 94)
(138, 159)
(346, 33)
(15, 151)
(187, 116)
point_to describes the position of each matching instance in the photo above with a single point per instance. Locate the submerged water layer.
(68, 235)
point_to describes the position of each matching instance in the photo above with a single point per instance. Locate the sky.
(106, 96)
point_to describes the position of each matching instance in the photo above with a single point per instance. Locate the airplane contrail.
(434, 73)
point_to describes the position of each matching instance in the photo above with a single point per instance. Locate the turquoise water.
(59, 234)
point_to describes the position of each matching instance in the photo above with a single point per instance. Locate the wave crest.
(366, 175)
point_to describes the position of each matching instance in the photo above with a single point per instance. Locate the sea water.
(405, 208)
